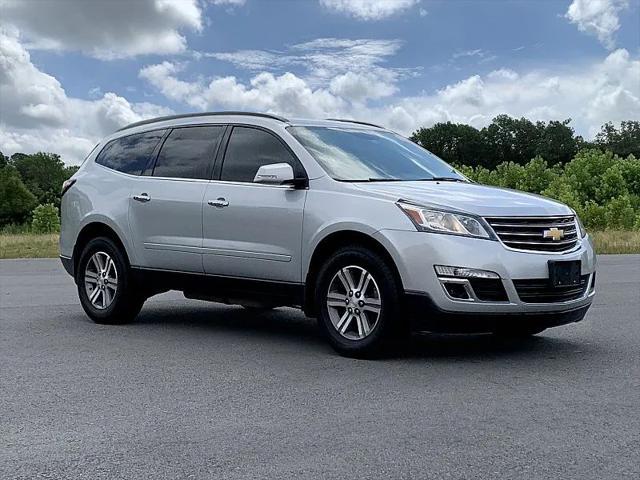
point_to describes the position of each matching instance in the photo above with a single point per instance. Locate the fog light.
(462, 272)
(456, 290)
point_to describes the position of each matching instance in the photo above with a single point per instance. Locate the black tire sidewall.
(387, 326)
(125, 304)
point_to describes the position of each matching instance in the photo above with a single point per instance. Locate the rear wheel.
(358, 302)
(104, 283)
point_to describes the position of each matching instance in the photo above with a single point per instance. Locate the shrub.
(45, 219)
(619, 213)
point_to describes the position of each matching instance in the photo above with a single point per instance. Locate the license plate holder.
(565, 273)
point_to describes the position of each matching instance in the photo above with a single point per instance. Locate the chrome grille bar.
(528, 233)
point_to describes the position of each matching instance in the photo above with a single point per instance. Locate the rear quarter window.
(130, 154)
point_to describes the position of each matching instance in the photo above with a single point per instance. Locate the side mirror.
(275, 174)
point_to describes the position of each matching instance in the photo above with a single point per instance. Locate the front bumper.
(423, 315)
(416, 253)
(67, 263)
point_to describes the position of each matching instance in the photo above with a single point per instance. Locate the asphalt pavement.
(200, 390)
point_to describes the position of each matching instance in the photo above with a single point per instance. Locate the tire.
(361, 334)
(112, 305)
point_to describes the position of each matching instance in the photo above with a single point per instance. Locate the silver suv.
(356, 225)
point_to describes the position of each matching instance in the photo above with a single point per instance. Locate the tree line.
(518, 140)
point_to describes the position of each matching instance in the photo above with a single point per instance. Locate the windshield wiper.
(446, 179)
(432, 179)
(375, 180)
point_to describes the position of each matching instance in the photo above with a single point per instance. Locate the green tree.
(623, 141)
(46, 219)
(16, 201)
(43, 174)
(509, 139)
(455, 143)
(557, 142)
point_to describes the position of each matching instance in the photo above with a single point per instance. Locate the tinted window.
(130, 154)
(250, 148)
(188, 152)
(354, 154)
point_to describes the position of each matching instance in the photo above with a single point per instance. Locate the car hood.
(468, 197)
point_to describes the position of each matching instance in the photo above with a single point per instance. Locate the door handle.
(143, 197)
(220, 202)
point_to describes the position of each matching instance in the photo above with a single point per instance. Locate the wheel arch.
(92, 230)
(332, 242)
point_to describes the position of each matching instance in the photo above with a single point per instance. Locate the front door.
(252, 230)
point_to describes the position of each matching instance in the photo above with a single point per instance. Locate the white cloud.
(369, 9)
(358, 87)
(38, 115)
(322, 59)
(591, 95)
(335, 72)
(597, 17)
(351, 68)
(285, 94)
(104, 29)
(503, 74)
(468, 53)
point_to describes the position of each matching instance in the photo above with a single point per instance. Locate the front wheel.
(357, 297)
(104, 284)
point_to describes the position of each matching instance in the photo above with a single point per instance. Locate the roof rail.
(354, 121)
(201, 114)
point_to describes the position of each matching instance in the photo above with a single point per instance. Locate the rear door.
(165, 212)
(251, 230)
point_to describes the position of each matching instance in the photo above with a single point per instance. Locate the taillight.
(67, 184)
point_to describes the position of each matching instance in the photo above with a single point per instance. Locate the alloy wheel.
(354, 302)
(101, 280)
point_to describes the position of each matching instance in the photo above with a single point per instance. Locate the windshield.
(359, 155)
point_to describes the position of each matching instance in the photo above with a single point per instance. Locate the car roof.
(248, 117)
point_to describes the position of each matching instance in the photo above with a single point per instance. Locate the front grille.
(527, 233)
(540, 290)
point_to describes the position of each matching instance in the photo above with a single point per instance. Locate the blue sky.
(71, 71)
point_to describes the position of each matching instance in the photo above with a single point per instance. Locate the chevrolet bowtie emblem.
(554, 234)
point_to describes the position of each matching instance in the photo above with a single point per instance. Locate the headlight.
(440, 221)
(581, 230)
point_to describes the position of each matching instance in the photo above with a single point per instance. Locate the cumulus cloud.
(369, 9)
(286, 94)
(104, 29)
(37, 114)
(597, 17)
(335, 72)
(591, 95)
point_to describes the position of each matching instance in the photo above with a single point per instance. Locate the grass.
(30, 245)
(616, 241)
